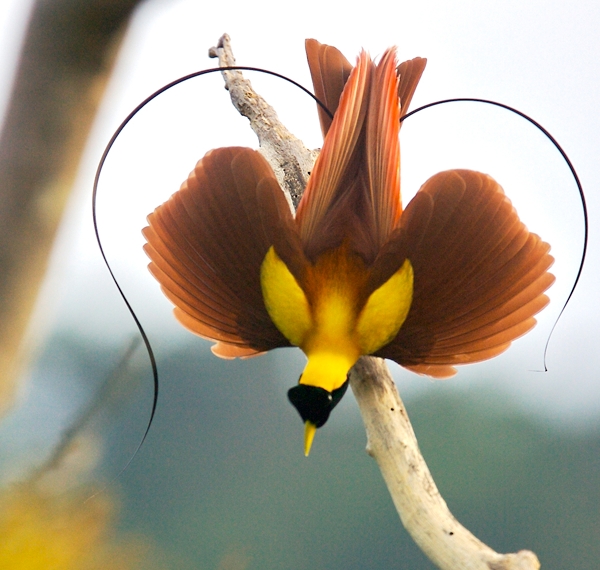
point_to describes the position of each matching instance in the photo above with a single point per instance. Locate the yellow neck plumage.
(331, 317)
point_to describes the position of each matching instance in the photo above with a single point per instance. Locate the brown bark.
(66, 59)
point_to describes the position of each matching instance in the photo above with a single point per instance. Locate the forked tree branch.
(390, 438)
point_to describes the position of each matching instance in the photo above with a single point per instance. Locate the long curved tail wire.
(322, 105)
(95, 217)
(571, 168)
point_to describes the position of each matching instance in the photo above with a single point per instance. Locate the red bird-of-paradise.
(452, 279)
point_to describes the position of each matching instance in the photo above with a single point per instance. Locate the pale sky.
(538, 56)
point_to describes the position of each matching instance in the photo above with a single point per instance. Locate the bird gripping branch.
(452, 279)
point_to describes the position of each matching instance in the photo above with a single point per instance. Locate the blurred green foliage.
(221, 482)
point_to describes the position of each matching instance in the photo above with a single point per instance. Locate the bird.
(452, 279)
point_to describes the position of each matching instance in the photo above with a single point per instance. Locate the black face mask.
(315, 404)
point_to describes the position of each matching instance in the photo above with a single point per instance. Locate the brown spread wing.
(207, 243)
(479, 274)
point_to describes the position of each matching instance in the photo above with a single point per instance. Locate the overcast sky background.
(538, 56)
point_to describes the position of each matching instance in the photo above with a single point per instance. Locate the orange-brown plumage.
(230, 255)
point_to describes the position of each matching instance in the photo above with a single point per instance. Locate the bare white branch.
(392, 443)
(290, 159)
(391, 439)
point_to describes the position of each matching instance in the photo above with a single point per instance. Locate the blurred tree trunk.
(67, 55)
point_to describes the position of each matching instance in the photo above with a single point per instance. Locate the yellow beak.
(309, 434)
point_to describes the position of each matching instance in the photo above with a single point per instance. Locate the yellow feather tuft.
(284, 299)
(386, 310)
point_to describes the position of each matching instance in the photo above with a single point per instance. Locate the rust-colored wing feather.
(382, 151)
(409, 74)
(329, 71)
(328, 207)
(354, 190)
(480, 275)
(207, 243)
